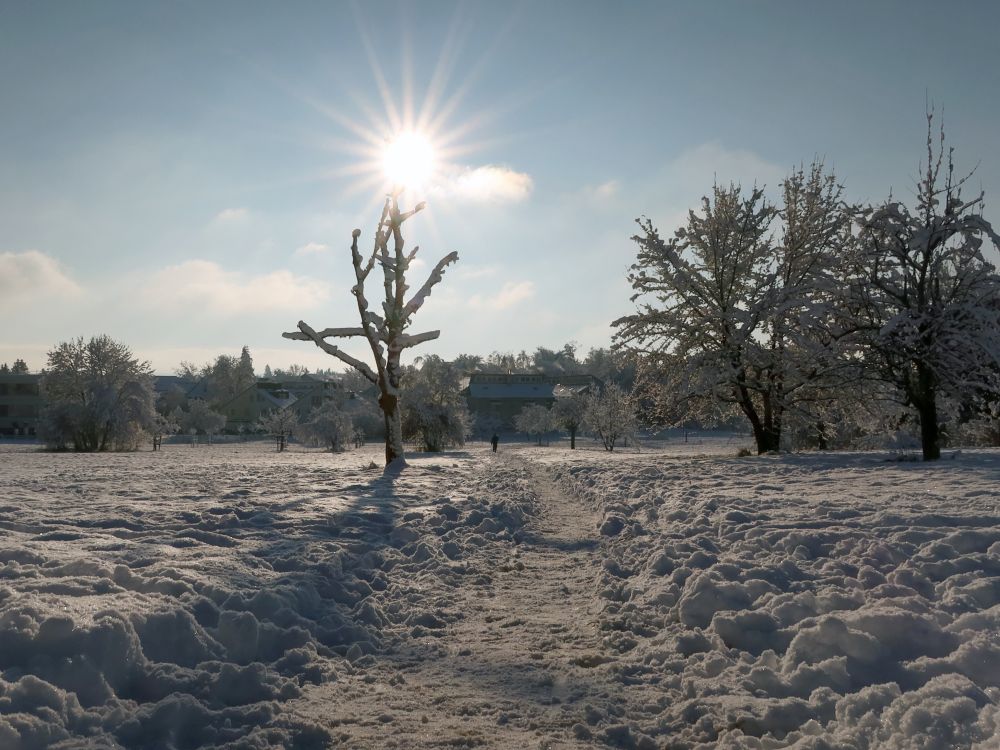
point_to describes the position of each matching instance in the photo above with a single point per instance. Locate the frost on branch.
(385, 331)
(923, 299)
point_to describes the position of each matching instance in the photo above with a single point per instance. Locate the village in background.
(228, 399)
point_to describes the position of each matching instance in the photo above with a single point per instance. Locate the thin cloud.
(509, 295)
(33, 276)
(487, 184)
(474, 272)
(313, 248)
(608, 189)
(231, 215)
(209, 287)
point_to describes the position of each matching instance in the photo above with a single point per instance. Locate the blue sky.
(185, 176)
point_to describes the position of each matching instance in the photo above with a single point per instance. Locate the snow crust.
(229, 596)
(815, 601)
(182, 598)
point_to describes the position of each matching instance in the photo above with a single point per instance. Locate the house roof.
(511, 390)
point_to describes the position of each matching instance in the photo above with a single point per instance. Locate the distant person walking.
(494, 440)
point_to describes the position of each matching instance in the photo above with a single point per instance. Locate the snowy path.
(517, 669)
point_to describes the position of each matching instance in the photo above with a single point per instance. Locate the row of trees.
(20, 367)
(813, 312)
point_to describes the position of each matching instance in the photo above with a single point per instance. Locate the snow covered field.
(230, 596)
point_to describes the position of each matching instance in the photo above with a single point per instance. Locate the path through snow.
(516, 670)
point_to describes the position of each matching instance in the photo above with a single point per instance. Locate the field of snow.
(677, 597)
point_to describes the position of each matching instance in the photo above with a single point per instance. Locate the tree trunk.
(393, 429)
(930, 431)
(572, 438)
(768, 439)
(821, 441)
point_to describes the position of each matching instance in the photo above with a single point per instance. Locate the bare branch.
(405, 340)
(305, 333)
(341, 332)
(425, 291)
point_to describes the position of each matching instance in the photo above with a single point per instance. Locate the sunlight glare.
(408, 160)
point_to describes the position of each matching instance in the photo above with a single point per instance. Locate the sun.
(409, 160)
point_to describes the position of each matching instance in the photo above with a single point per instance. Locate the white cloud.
(487, 184)
(231, 214)
(33, 276)
(607, 189)
(208, 287)
(312, 248)
(509, 295)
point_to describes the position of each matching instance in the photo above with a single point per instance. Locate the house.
(21, 403)
(498, 397)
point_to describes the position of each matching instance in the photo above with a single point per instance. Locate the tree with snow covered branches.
(923, 301)
(99, 397)
(200, 419)
(280, 424)
(386, 332)
(534, 420)
(736, 315)
(329, 425)
(434, 410)
(568, 412)
(611, 415)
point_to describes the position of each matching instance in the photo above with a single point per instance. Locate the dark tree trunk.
(926, 403)
(766, 434)
(767, 438)
(930, 430)
(572, 437)
(821, 436)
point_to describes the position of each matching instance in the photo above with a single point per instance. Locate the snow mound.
(184, 598)
(800, 601)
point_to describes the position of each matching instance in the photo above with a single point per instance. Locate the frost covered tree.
(385, 331)
(280, 424)
(99, 396)
(736, 315)
(534, 420)
(329, 425)
(201, 419)
(568, 412)
(611, 415)
(923, 299)
(434, 410)
(20, 367)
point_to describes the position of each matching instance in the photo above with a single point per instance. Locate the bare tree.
(534, 420)
(611, 415)
(330, 425)
(100, 397)
(923, 297)
(732, 314)
(201, 418)
(280, 424)
(385, 333)
(568, 411)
